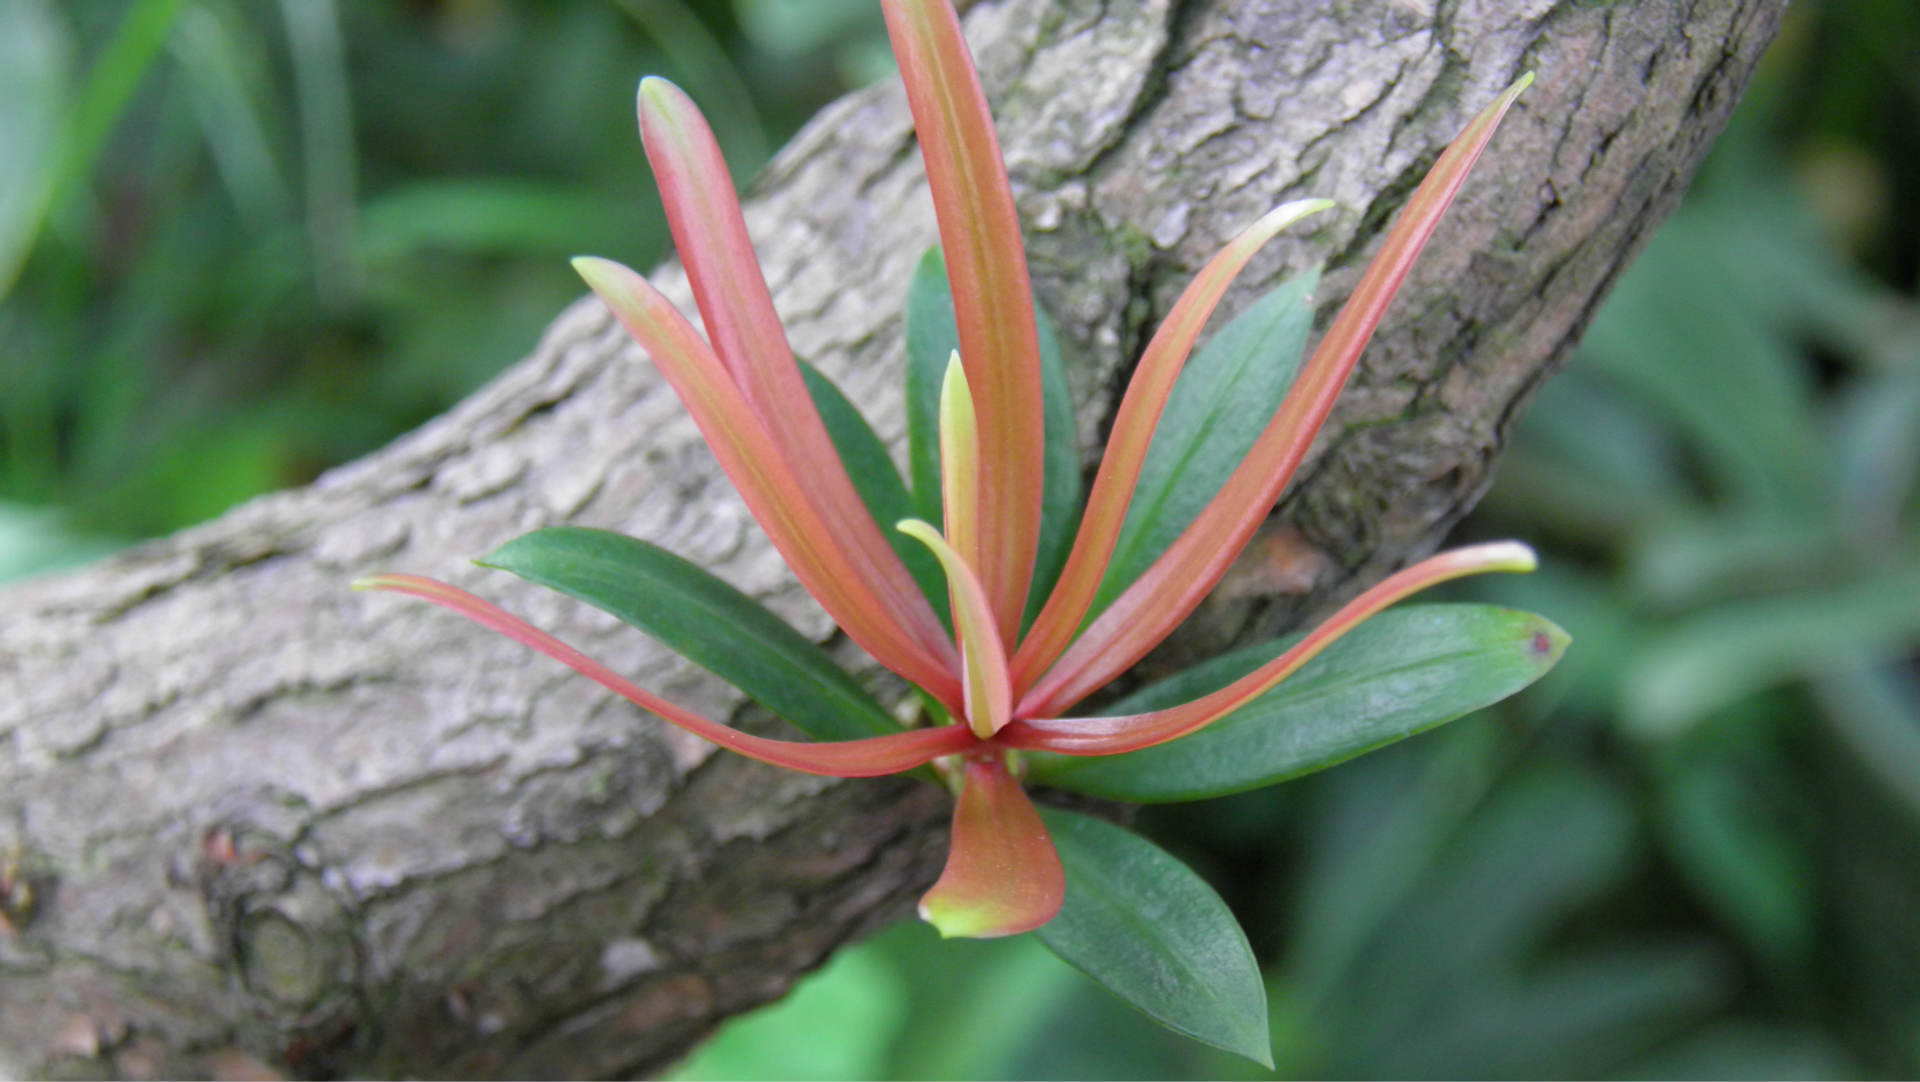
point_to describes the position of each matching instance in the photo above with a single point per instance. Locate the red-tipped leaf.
(880, 622)
(711, 236)
(992, 298)
(1133, 426)
(1149, 610)
(865, 758)
(1114, 735)
(1003, 875)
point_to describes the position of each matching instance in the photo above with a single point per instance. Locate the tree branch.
(268, 824)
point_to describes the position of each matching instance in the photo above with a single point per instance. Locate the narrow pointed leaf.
(1150, 931)
(1003, 876)
(865, 758)
(711, 237)
(1112, 735)
(983, 660)
(931, 339)
(993, 300)
(1403, 672)
(1135, 429)
(900, 631)
(1148, 610)
(877, 481)
(959, 457)
(704, 620)
(1223, 400)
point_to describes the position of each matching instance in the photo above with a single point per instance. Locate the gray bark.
(258, 824)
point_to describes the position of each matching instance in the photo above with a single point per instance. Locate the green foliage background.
(241, 242)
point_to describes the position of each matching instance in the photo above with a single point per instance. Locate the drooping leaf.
(1150, 931)
(877, 481)
(1403, 671)
(866, 757)
(1003, 876)
(931, 339)
(1225, 396)
(705, 620)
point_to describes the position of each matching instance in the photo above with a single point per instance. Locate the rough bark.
(257, 823)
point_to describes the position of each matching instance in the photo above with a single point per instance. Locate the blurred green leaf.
(1876, 709)
(1402, 672)
(330, 170)
(489, 215)
(1681, 339)
(705, 620)
(1223, 400)
(1740, 647)
(108, 90)
(35, 56)
(1740, 859)
(220, 61)
(1148, 930)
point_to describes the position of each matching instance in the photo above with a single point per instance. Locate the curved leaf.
(1152, 932)
(1002, 875)
(1222, 402)
(1403, 671)
(707, 621)
(874, 477)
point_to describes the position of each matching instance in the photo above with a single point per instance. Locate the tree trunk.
(253, 823)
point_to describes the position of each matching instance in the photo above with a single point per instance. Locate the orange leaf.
(1003, 875)
(880, 621)
(992, 298)
(1146, 397)
(1114, 735)
(1147, 611)
(863, 758)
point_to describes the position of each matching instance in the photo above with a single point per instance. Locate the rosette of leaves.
(1026, 598)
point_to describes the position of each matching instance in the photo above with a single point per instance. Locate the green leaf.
(932, 336)
(35, 55)
(1402, 672)
(709, 622)
(483, 216)
(878, 483)
(1716, 656)
(1150, 931)
(1061, 498)
(931, 339)
(1224, 398)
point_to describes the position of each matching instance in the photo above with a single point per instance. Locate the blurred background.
(243, 241)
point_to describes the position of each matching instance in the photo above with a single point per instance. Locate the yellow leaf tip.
(658, 94)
